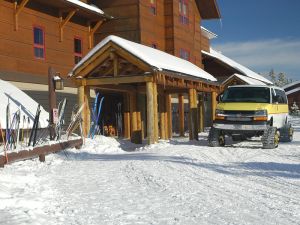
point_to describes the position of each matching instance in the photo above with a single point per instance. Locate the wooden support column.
(84, 98)
(201, 112)
(126, 116)
(155, 112)
(168, 98)
(181, 114)
(136, 129)
(18, 9)
(63, 22)
(193, 125)
(150, 113)
(92, 31)
(213, 105)
(162, 117)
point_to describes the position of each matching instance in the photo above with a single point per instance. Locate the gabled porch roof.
(147, 59)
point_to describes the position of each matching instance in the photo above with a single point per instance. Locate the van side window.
(281, 96)
(274, 98)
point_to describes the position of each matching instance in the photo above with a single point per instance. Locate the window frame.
(183, 18)
(76, 54)
(39, 46)
(184, 52)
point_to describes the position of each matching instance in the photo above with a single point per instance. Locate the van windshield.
(247, 94)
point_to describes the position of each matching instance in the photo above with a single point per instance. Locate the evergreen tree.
(280, 79)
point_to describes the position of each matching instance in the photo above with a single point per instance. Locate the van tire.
(216, 138)
(270, 138)
(286, 133)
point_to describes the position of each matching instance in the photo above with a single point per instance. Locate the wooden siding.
(134, 21)
(205, 43)
(125, 23)
(16, 47)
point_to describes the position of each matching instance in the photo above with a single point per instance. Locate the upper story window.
(77, 49)
(184, 54)
(183, 11)
(153, 7)
(39, 42)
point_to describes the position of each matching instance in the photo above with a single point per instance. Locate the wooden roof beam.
(18, 9)
(114, 80)
(63, 22)
(92, 30)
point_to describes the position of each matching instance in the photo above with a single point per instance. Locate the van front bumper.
(224, 125)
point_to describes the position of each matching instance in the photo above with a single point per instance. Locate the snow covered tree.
(280, 79)
(295, 109)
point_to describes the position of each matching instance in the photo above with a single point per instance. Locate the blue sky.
(260, 34)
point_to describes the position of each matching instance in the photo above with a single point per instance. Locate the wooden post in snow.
(84, 98)
(181, 114)
(162, 117)
(150, 113)
(155, 112)
(169, 115)
(201, 112)
(193, 125)
(213, 105)
(126, 116)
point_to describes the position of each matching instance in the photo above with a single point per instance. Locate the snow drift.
(17, 99)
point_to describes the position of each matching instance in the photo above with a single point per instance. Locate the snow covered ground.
(176, 182)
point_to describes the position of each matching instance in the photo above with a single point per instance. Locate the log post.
(150, 113)
(201, 112)
(126, 116)
(193, 126)
(162, 117)
(155, 112)
(136, 130)
(213, 105)
(181, 114)
(84, 98)
(169, 115)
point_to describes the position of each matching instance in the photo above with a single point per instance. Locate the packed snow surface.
(184, 182)
(17, 99)
(153, 57)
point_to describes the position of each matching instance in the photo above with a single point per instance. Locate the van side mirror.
(219, 97)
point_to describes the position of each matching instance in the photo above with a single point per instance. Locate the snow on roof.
(87, 6)
(248, 80)
(247, 72)
(18, 99)
(291, 84)
(293, 91)
(208, 33)
(153, 57)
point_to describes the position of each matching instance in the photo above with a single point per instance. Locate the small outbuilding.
(143, 79)
(293, 93)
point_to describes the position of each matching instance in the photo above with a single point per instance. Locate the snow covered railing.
(40, 151)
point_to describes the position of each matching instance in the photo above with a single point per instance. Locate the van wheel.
(216, 138)
(286, 133)
(270, 138)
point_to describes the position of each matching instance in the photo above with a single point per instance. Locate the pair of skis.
(60, 123)
(119, 119)
(75, 121)
(95, 126)
(33, 133)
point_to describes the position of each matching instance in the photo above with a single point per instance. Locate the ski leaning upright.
(33, 132)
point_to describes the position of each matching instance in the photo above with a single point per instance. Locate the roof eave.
(208, 9)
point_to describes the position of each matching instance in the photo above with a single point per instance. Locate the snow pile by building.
(17, 99)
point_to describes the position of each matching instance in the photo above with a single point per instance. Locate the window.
(183, 11)
(153, 7)
(279, 97)
(184, 54)
(39, 42)
(77, 49)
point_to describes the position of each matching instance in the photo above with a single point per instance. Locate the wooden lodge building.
(37, 34)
